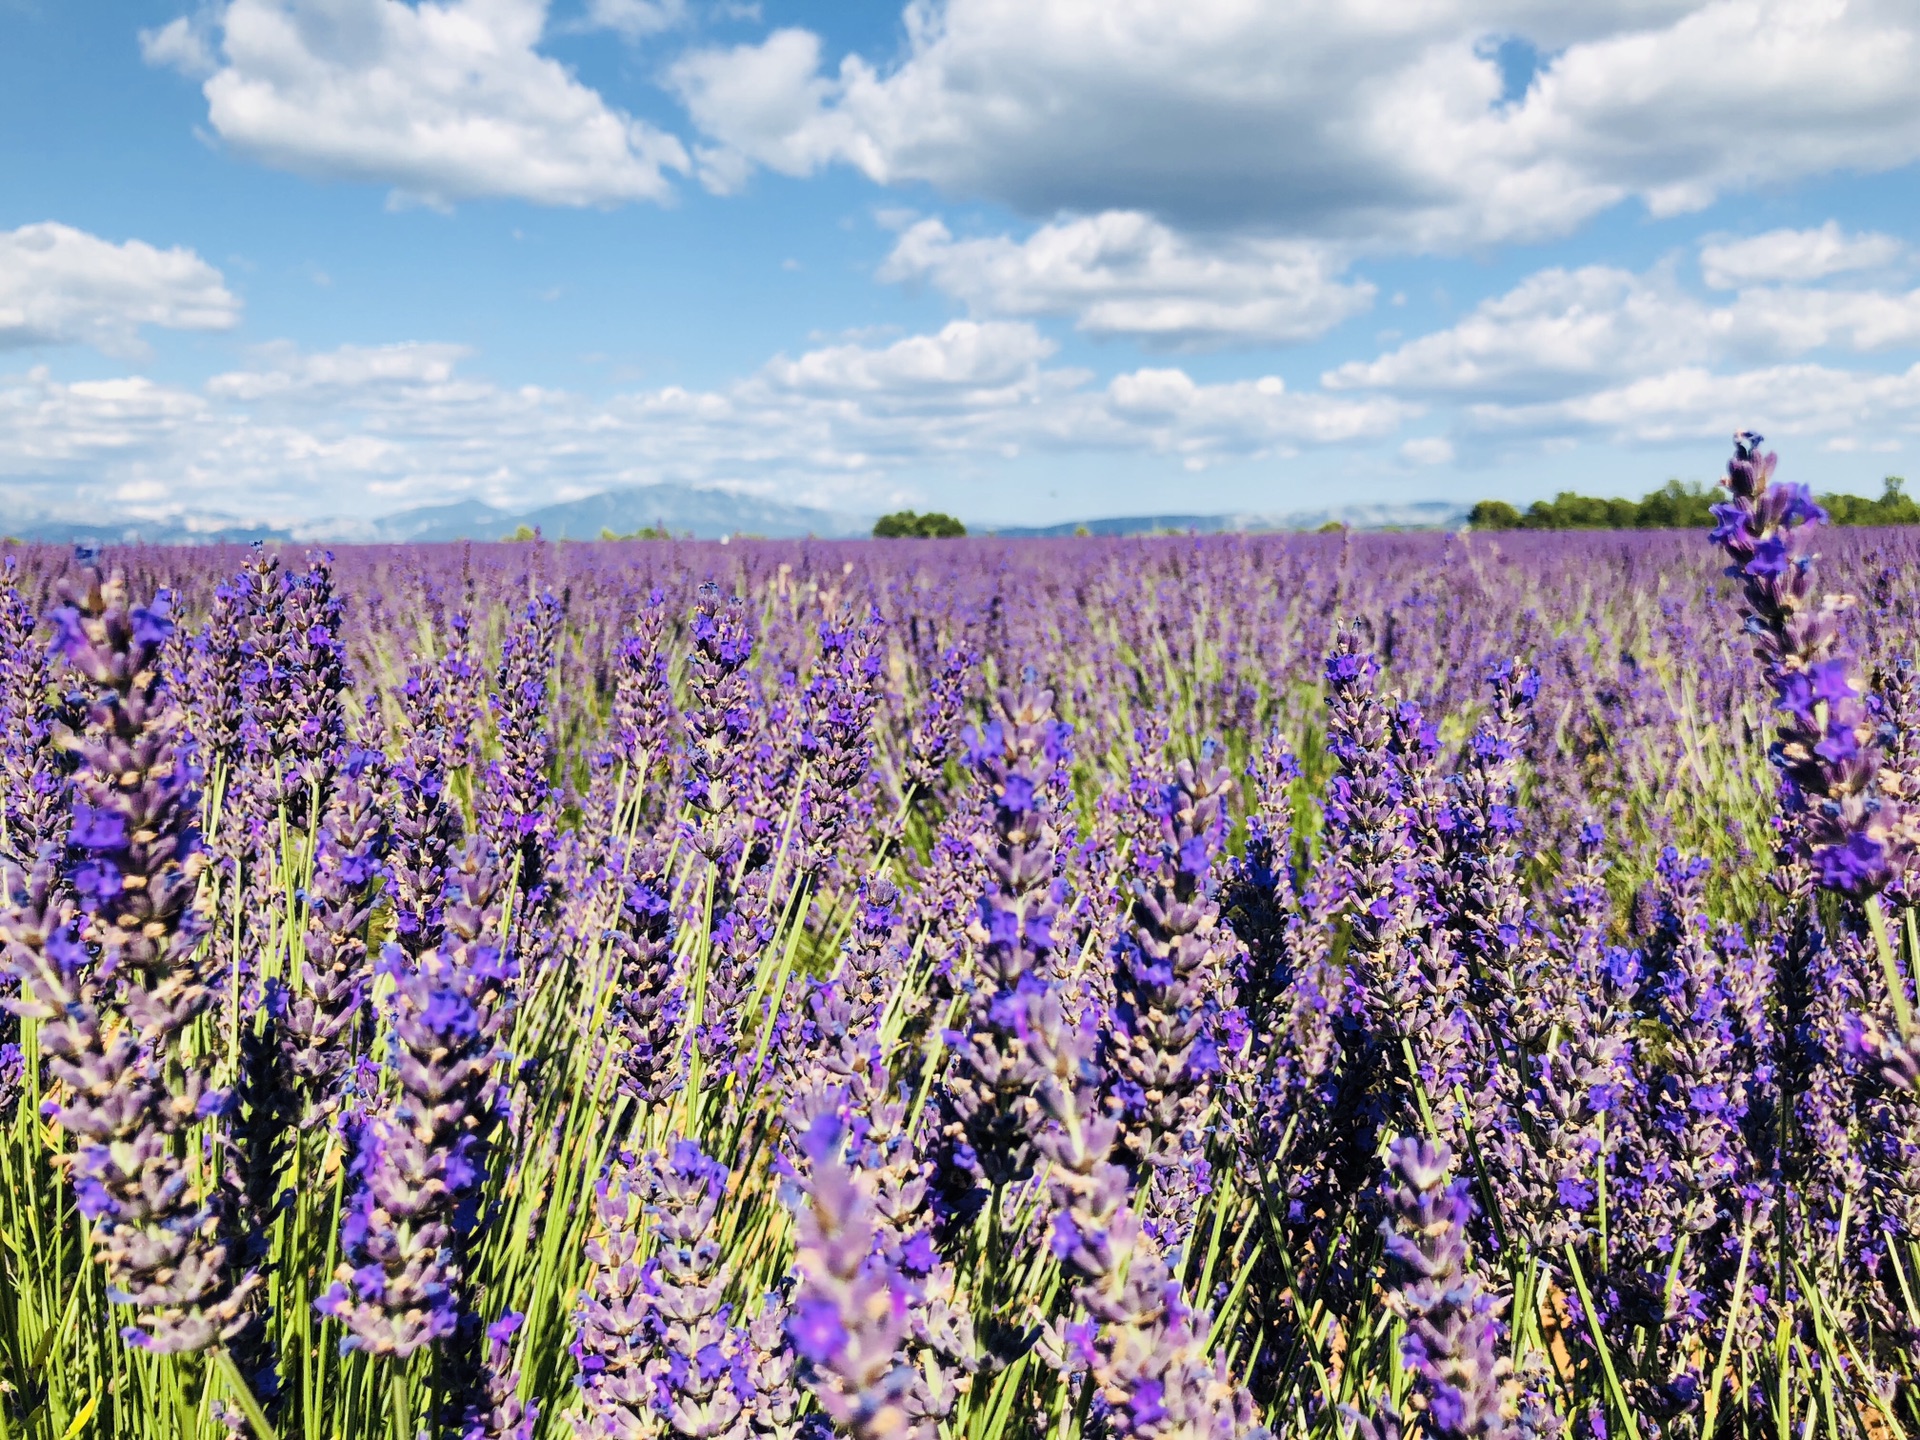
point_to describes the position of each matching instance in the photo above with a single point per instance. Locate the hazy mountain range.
(682, 510)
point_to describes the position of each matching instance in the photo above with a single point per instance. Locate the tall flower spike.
(426, 825)
(657, 1348)
(1454, 1333)
(991, 1117)
(1828, 752)
(125, 978)
(33, 805)
(836, 736)
(645, 724)
(418, 1168)
(318, 1021)
(519, 815)
(849, 1318)
(1172, 969)
(495, 1411)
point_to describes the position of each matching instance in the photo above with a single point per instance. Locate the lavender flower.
(496, 1412)
(426, 825)
(518, 815)
(835, 737)
(649, 997)
(317, 1022)
(118, 977)
(1828, 752)
(644, 726)
(849, 1318)
(656, 1342)
(1454, 1334)
(1171, 983)
(990, 1114)
(417, 1168)
(33, 810)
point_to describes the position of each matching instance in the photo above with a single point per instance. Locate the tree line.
(1675, 506)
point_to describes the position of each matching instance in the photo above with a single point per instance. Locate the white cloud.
(60, 285)
(1685, 404)
(1794, 256)
(370, 428)
(283, 370)
(1344, 119)
(182, 44)
(634, 19)
(1559, 332)
(1428, 450)
(964, 363)
(443, 101)
(765, 105)
(1121, 273)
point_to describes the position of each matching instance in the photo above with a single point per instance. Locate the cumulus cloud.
(965, 363)
(367, 428)
(184, 44)
(1389, 127)
(443, 101)
(1561, 331)
(59, 285)
(284, 370)
(1682, 405)
(634, 19)
(1122, 273)
(1794, 256)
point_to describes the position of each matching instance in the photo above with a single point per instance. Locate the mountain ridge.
(681, 510)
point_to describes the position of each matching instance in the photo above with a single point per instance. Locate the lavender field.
(1319, 985)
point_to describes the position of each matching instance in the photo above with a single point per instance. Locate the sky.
(1024, 261)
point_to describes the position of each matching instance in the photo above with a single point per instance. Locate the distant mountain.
(679, 509)
(1416, 515)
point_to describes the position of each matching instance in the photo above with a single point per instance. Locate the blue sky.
(1024, 260)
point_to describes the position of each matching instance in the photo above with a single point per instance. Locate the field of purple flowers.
(1346, 986)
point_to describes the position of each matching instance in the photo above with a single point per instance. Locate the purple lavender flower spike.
(848, 1321)
(495, 1411)
(656, 1343)
(650, 997)
(1854, 837)
(518, 816)
(991, 1118)
(835, 738)
(644, 728)
(1454, 1334)
(318, 1023)
(117, 976)
(33, 809)
(426, 825)
(418, 1168)
(1172, 984)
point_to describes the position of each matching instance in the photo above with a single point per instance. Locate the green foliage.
(1493, 515)
(906, 525)
(522, 533)
(1675, 506)
(645, 532)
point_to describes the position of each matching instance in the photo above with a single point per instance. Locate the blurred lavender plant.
(117, 978)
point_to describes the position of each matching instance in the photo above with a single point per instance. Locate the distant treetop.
(904, 524)
(1676, 507)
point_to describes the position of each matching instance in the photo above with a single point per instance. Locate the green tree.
(1493, 515)
(906, 525)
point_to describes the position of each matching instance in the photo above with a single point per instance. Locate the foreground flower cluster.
(1216, 989)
